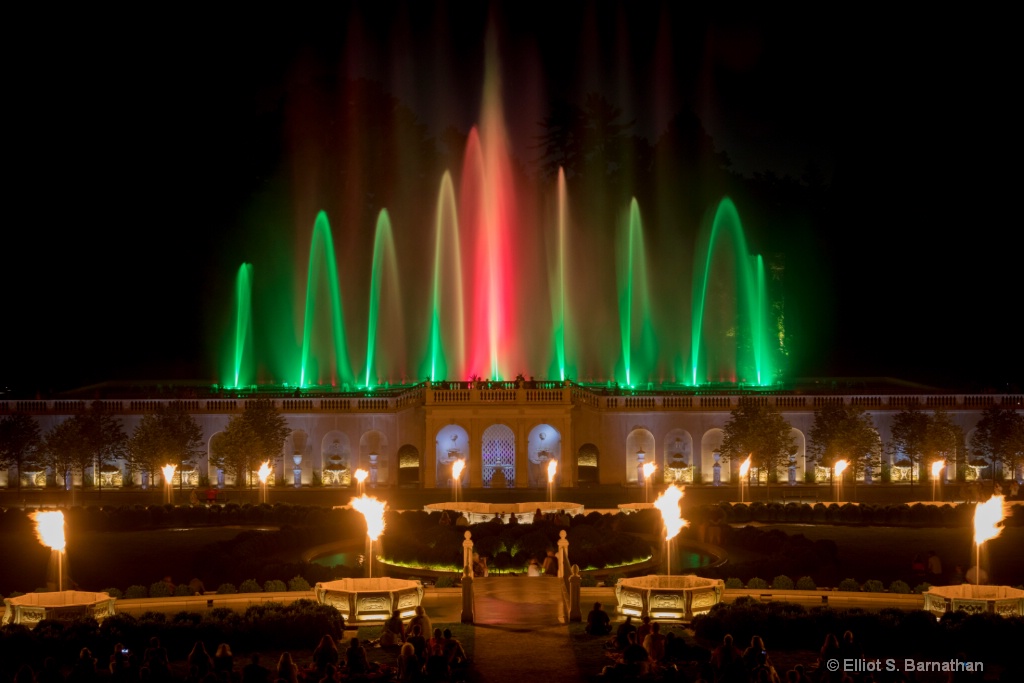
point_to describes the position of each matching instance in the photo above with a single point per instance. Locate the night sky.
(143, 166)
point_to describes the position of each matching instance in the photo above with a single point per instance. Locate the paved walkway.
(522, 631)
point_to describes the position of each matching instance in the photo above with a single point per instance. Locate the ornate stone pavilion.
(505, 432)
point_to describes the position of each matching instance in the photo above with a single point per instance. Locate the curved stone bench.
(477, 513)
(32, 608)
(668, 597)
(1001, 600)
(370, 599)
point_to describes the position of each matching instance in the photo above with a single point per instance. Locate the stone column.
(467, 594)
(563, 555)
(575, 613)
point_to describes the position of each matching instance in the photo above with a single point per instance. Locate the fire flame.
(649, 468)
(361, 475)
(745, 467)
(373, 512)
(169, 471)
(264, 472)
(841, 466)
(668, 504)
(987, 518)
(552, 466)
(50, 529)
(457, 468)
(937, 468)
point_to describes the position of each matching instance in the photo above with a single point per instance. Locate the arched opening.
(373, 454)
(678, 466)
(498, 449)
(452, 444)
(712, 470)
(640, 449)
(408, 466)
(587, 472)
(336, 459)
(544, 444)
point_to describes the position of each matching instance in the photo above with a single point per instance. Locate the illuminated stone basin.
(1001, 600)
(484, 512)
(30, 609)
(370, 599)
(668, 597)
(630, 508)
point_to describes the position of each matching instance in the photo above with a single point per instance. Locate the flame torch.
(648, 470)
(169, 471)
(373, 512)
(361, 476)
(936, 471)
(263, 473)
(50, 532)
(668, 504)
(744, 471)
(988, 517)
(457, 468)
(552, 467)
(839, 468)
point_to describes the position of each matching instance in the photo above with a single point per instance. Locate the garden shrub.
(249, 586)
(445, 581)
(900, 587)
(192, 618)
(919, 588)
(733, 582)
(782, 583)
(136, 592)
(873, 586)
(226, 589)
(757, 584)
(588, 581)
(182, 590)
(849, 585)
(159, 590)
(298, 584)
(805, 583)
(275, 586)
(114, 592)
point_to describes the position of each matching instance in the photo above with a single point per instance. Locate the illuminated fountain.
(30, 609)
(495, 279)
(476, 513)
(370, 599)
(978, 598)
(667, 596)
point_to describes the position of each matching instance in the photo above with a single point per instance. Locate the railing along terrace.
(547, 392)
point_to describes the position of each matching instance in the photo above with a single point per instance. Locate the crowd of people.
(421, 654)
(643, 652)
